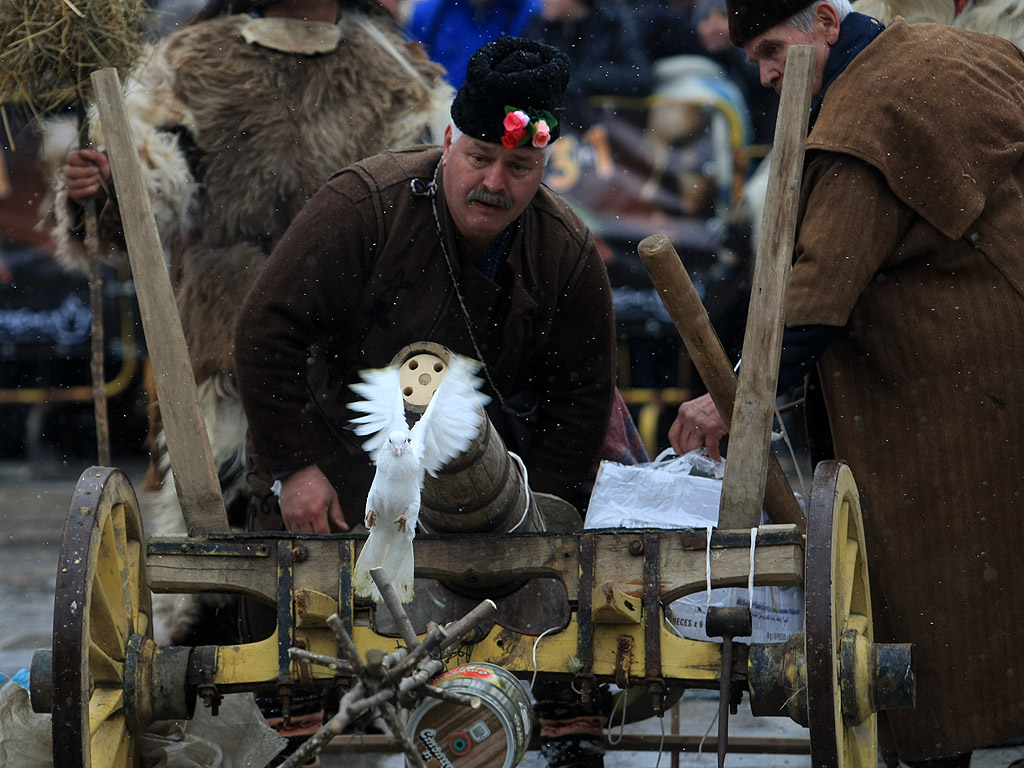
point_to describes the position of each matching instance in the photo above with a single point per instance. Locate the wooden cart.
(105, 679)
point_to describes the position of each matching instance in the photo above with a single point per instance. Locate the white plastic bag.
(238, 737)
(685, 492)
(669, 492)
(25, 740)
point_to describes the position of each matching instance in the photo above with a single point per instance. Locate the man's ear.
(828, 18)
(447, 143)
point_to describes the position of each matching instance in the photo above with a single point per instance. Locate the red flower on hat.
(542, 135)
(516, 122)
(522, 129)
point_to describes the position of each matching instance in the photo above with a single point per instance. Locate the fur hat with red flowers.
(513, 93)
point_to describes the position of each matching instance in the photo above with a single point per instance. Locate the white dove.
(450, 422)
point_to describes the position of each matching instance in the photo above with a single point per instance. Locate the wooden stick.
(750, 444)
(394, 606)
(97, 367)
(187, 442)
(691, 319)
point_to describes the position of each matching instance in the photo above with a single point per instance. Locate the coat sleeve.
(304, 294)
(850, 224)
(577, 378)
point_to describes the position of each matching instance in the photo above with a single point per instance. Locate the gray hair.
(804, 20)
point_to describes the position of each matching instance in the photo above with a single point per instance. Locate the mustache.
(481, 195)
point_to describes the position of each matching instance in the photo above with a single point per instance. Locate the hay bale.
(48, 48)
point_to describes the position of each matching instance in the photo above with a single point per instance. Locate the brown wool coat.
(911, 238)
(361, 274)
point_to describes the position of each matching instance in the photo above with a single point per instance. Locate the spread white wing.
(381, 406)
(453, 416)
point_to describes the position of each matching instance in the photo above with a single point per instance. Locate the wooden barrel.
(494, 735)
(484, 490)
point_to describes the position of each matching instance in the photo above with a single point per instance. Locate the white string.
(707, 562)
(526, 487)
(535, 644)
(612, 740)
(660, 744)
(700, 747)
(750, 574)
(784, 434)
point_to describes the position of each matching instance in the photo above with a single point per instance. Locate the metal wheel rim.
(102, 600)
(837, 597)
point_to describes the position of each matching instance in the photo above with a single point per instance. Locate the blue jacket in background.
(452, 30)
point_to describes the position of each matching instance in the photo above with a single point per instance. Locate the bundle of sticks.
(385, 682)
(48, 48)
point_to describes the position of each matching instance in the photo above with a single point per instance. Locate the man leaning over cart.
(906, 293)
(459, 245)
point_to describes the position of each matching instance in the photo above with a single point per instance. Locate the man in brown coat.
(906, 292)
(459, 245)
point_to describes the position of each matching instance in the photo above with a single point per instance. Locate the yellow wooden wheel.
(101, 613)
(840, 709)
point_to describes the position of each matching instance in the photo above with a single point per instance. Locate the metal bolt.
(636, 547)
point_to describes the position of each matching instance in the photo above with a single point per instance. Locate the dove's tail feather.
(398, 565)
(394, 554)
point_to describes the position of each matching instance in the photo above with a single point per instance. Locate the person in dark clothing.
(451, 30)
(603, 41)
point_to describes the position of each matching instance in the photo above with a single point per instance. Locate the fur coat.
(235, 137)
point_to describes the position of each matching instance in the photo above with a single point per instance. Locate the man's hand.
(308, 500)
(86, 172)
(697, 423)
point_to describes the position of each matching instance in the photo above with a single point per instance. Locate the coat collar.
(292, 35)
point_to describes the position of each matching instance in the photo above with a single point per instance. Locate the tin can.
(495, 735)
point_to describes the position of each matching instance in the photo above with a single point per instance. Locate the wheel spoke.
(107, 620)
(110, 574)
(128, 570)
(105, 702)
(847, 578)
(104, 670)
(860, 744)
(135, 584)
(109, 741)
(117, 522)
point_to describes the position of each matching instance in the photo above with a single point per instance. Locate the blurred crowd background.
(666, 124)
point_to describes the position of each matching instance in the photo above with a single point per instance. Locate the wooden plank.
(750, 440)
(681, 563)
(188, 445)
(691, 319)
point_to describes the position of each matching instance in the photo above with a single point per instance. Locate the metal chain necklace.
(419, 187)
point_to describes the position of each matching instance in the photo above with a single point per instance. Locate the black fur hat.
(513, 75)
(749, 18)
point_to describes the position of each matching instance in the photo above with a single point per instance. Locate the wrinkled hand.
(697, 424)
(308, 500)
(86, 172)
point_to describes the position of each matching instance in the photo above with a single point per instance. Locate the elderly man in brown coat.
(906, 291)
